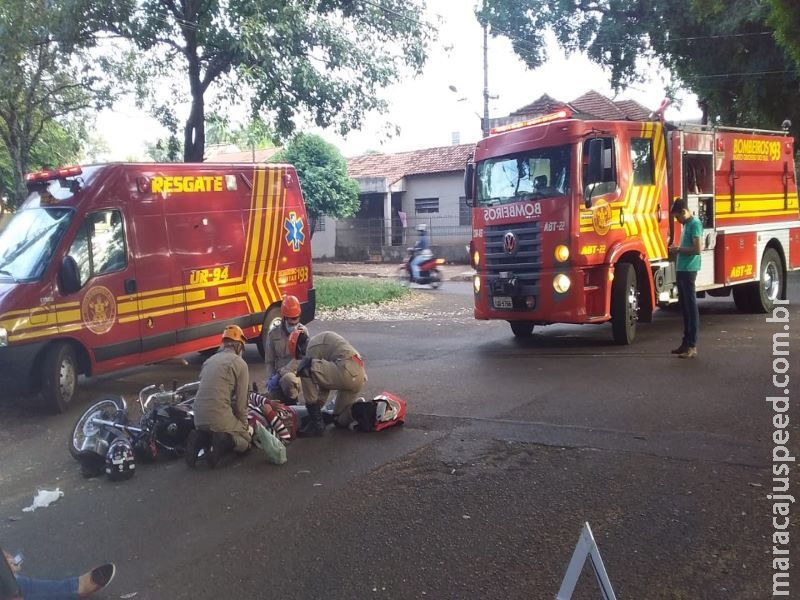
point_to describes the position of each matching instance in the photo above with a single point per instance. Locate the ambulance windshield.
(28, 242)
(540, 173)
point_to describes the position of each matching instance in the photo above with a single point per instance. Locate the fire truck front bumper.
(557, 296)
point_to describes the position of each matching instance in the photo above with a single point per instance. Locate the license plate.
(502, 302)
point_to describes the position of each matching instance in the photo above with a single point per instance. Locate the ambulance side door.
(159, 299)
(105, 264)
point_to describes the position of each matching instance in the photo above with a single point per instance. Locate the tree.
(725, 52)
(785, 18)
(43, 81)
(327, 57)
(322, 171)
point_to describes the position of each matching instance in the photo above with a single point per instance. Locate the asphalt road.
(509, 448)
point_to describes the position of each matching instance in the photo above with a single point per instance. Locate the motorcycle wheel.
(436, 279)
(403, 277)
(105, 408)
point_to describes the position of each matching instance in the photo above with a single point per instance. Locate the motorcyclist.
(327, 362)
(220, 407)
(420, 255)
(281, 381)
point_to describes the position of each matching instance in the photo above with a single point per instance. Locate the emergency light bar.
(556, 116)
(53, 174)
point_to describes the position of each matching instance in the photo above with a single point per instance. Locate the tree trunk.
(19, 164)
(194, 134)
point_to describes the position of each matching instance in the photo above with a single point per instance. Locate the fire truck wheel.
(59, 376)
(772, 281)
(624, 304)
(522, 329)
(272, 314)
(760, 296)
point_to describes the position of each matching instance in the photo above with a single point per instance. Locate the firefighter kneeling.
(327, 362)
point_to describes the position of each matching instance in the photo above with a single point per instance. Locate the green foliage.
(44, 74)
(340, 292)
(327, 59)
(785, 18)
(722, 51)
(322, 170)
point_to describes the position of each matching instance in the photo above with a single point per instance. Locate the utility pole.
(485, 120)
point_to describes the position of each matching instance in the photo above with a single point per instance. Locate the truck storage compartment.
(735, 257)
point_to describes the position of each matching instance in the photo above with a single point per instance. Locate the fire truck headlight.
(561, 283)
(476, 283)
(3, 337)
(476, 257)
(561, 253)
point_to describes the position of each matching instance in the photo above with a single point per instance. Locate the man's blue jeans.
(48, 589)
(415, 263)
(687, 296)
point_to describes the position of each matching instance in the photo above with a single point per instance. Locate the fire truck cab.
(109, 266)
(571, 218)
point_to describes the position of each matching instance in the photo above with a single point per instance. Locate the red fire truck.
(571, 218)
(105, 267)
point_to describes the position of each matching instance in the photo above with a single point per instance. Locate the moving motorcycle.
(429, 272)
(162, 429)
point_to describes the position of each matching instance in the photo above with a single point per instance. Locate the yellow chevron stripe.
(275, 254)
(257, 236)
(269, 235)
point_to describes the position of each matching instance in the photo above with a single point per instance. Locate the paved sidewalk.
(347, 269)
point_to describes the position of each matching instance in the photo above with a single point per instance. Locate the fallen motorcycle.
(429, 272)
(165, 422)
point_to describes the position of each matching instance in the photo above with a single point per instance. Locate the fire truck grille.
(514, 251)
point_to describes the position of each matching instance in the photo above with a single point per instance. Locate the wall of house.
(323, 244)
(448, 236)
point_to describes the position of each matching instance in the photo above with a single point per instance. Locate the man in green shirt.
(687, 257)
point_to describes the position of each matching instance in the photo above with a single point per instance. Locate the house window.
(642, 160)
(426, 205)
(320, 224)
(464, 212)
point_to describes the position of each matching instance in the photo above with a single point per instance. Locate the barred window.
(426, 205)
(464, 212)
(320, 224)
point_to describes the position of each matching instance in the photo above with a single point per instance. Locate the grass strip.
(340, 292)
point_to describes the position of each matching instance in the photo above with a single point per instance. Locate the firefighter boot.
(221, 444)
(196, 442)
(315, 426)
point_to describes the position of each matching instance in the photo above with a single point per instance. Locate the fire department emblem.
(601, 217)
(510, 243)
(295, 234)
(99, 310)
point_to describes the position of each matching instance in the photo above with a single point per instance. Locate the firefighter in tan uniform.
(220, 407)
(327, 362)
(282, 382)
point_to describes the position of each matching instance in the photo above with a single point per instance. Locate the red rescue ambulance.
(109, 266)
(571, 218)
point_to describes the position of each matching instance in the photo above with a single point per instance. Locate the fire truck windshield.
(539, 173)
(29, 240)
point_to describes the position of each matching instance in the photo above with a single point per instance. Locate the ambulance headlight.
(561, 283)
(3, 337)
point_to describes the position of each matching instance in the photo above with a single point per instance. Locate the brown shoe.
(680, 349)
(690, 352)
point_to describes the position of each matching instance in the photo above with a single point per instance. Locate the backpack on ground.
(383, 411)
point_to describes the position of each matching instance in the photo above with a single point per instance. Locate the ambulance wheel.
(522, 329)
(272, 314)
(59, 376)
(624, 304)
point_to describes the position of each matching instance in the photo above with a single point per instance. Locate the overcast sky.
(425, 109)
